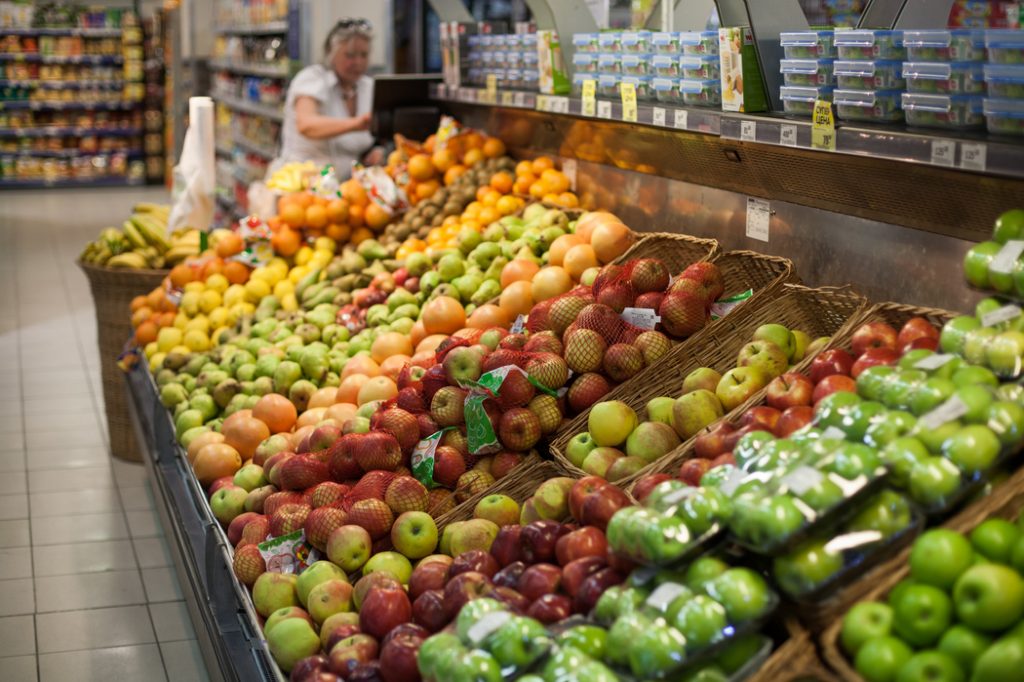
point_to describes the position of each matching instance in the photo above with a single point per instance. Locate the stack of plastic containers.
(869, 75)
(615, 57)
(511, 58)
(1004, 76)
(944, 78)
(808, 71)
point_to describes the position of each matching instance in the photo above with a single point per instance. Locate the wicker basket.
(796, 659)
(819, 312)
(677, 251)
(112, 294)
(1006, 501)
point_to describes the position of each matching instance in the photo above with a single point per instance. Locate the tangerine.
(541, 164)
(138, 302)
(230, 244)
(337, 211)
(360, 235)
(502, 181)
(453, 173)
(425, 190)
(146, 333)
(316, 217)
(376, 217)
(181, 275)
(443, 160)
(555, 181)
(493, 148)
(293, 215)
(473, 157)
(421, 167)
(286, 241)
(339, 232)
(524, 168)
(354, 193)
(236, 272)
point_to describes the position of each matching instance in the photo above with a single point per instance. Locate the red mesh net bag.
(556, 314)
(372, 485)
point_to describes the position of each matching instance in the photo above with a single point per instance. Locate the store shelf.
(974, 152)
(269, 28)
(53, 131)
(266, 111)
(12, 183)
(265, 70)
(255, 148)
(61, 59)
(84, 32)
(224, 150)
(63, 85)
(70, 153)
(44, 105)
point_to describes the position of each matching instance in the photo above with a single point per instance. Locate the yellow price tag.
(823, 133)
(628, 91)
(589, 97)
(492, 88)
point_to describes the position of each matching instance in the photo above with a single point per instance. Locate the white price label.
(933, 362)
(732, 481)
(954, 408)
(944, 153)
(802, 479)
(1007, 257)
(664, 595)
(787, 135)
(542, 102)
(520, 99)
(645, 318)
(681, 119)
(487, 625)
(748, 131)
(506, 99)
(759, 219)
(677, 496)
(658, 116)
(604, 109)
(834, 432)
(560, 105)
(974, 156)
(518, 325)
(1000, 315)
(569, 171)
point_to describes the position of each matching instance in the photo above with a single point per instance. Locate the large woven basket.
(795, 660)
(112, 293)
(818, 312)
(677, 251)
(1006, 501)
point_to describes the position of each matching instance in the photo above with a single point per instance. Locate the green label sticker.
(288, 553)
(422, 459)
(724, 306)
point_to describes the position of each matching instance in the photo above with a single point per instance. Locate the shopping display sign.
(628, 91)
(589, 97)
(823, 133)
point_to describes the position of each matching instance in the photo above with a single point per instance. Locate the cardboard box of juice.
(553, 77)
(742, 85)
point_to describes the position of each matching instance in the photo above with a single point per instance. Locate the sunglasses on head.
(352, 23)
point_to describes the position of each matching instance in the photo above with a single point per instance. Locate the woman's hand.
(361, 122)
(374, 157)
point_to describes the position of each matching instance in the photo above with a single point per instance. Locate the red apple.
(349, 654)
(550, 608)
(406, 630)
(538, 540)
(829, 362)
(724, 459)
(920, 342)
(711, 441)
(462, 589)
(595, 585)
(761, 416)
(648, 483)
(509, 576)
(833, 384)
(602, 505)
(510, 597)
(575, 572)
(540, 579)
(506, 546)
(384, 609)
(587, 541)
(474, 560)
(428, 610)
(579, 492)
(873, 335)
(916, 328)
(222, 482)
(872, 357)
(794, 419)
(432, 575)
(691, 470)
(366, 672)
(400, 653)
(309, 668)
(788, 390)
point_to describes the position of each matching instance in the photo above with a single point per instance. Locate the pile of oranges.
(304, 215)
(432, 166)
(151, 313)
(543, 181)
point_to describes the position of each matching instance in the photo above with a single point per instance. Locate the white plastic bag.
(194, 176)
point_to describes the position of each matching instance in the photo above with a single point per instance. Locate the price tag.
(823, 134)
(506, 99)
(677, 496)
(943, 153)
(664, 595)
(759, 218)
(974, 157)
(569, 171)
(802, 479)
(628, 91)
(787, 135)
(492, 87)
(834, 433)
(542, 103)
(562, 105)
(681, 119)
(1007, 257)
(604, 109)
(589, 97)
(954, 408)
(658, 116)
(518, 325)
(487, 625)
(1000, 315)
(645, 318)
(933, 362)
(520, 99)
(732, 481)
(748, 131)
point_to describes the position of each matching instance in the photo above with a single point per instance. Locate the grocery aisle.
(87, 590)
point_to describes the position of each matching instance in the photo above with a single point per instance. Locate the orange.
(337, 211)
(304, 199)
(542, 163)
(339, 232)
(354, 193)
(316, 217)
(555, 181)
(321, 201)
(537, 190)
(360, 364)
(213, 266)
(396, 157)
(524, 168)
(473, 140)
(493, 148)
(181, 275)
(436, 234)
(473, 157)
(348, 391)
(453, 173)
(163, 319)
(443, 315)
(507, 205)
(488, 215)
(236, 273)
(388, 344)
(518, 270)
(138, 302)
(244, 435)
(425, 190)
(355, 215)
(443, 160)
(286, 241)
(276, 411)
(376, 217)
(578, 259)
(450, 220)
(359, 235)
(502, 181)
(523, 182)
(156, 298)
(568, 200)
(216, 460)
(229, 245)
(146, 333)
(284, 201)
(141, 315)
(487, 316)
(293, 215)
(274, 222)
(516, 299)
(472, 210)
(481, 192)
(490, 197)
(421, 167)
(429, 143)
(561, 246)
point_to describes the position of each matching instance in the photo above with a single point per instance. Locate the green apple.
(738, 385)
(921, 614)
(580, 445)
(872, 381)
(888, 512)
(833, 408)
(973, 448)
(986, 306)
(976, 344)
(801, 342)
(610, 422)
(865, 621)
(693, 411)
(780, 336)
(989, 597)
(655, 651)
(933, 438)
(929, 395)
(501, 509)
(933, 481)
(856, 422)
(329, 598)
(995, 539)
(476, 665)
(889, 427)
(744, 594)
(518, 643)
(702, 377)
(565, 663)
(291, 641)
(939, 557)
(702, 621)
(749, 446)
(954, 333)
(1004, 353)
(590, 639)
(472, 612)
(1009, 225)
(934, 666)
(1004, 660)
(703, 570)
(968, 375)
(851, 460)
(414, 534)
(738, 653)
(964, 645)
(624, 632)
(1006, 420)
(273, 591)
(768, 520)
(880, 659)
(317, 572)
(808, 566)
(228, 502)
(349, 547)
(901, 455)
(435, 649)
(390, 562)
(977, 399)
(977, 261)
(660, 409)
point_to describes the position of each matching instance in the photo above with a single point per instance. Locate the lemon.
(320, 259)
(218, 317)
(289, 303)
(256, 289)
(303, 255)
(155, 361)
(190, 303)
(234, 294)
(240, 310)
(200, 322)
(183, 349)
(150, 349)
(326, 244)
(167, 338)
(180, 320)
(196, 340)
(208, 300)
(297, 273)
(261, 273)
(279, 263)
(194, 286)
(217, 282)
(285, 286)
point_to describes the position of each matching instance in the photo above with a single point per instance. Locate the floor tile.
(94, 629)
(16, 596)
(128, 474)
(81, 419)
(144, 523)
(58, 530)
(88, 591)
(53, 440)
(171, 621)
(13, 507)
(140, 662)
(15, 562)
(137, 497)
(12, 483)
(12, 461)
(152, 552)
(68, 502)
(83, 557)
(17, 636)
(60, 404)
(14, 533)
(184, 661)
(12, 440)
(52, 480)
(161, 584)
(20, 668)
(72, 458)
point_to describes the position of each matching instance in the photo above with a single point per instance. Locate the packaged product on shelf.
(1005, 47)
(642, 86)
(800, 100)
(944, 78)
(742, 88)
(870, 44)
(943, 111)
(869, 75)
(665, 42)
(513, 79)
(553, 78)
(577, 82)
(808, 44)
(584, 62)
(636, 64)
(608, 85)
(585, 42)
(700, 67)
(665, 65)
(699, 42)
(868, 105)
(609, 41)
(701, 93)
(637, 42)
(955, 45)
(609, 62)
(531, 80)
(1004, 81)
(807, 72)
(666, 90)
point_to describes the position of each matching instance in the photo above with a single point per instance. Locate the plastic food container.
(638, 42)
(531, 79)
(699, 42)
(869, 75)
(955, 112)
(700, 67)
(513, 79)
(868, 105)
(1004, 116)
(1005, 47)
(870, 44)
(959, 45)
(530, 59)
(636, 64)
(609, 41)
(808, 44)
(585, 42)
(807, 72)
(529, 42)
(666, 90)
(707, 93)
(513, 41)
(1005, 80)
(800, 99)
(514, 59)
(584, 62)
(501, 59)
(577, 82)
(642, 85)
(608, 85)
(609, 63)
(944, 78)
(665, 66)
(665, 42)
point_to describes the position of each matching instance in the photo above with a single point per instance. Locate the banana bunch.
(141, 242)
(291, 177)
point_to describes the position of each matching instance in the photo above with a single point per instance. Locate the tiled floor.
(87, 590)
